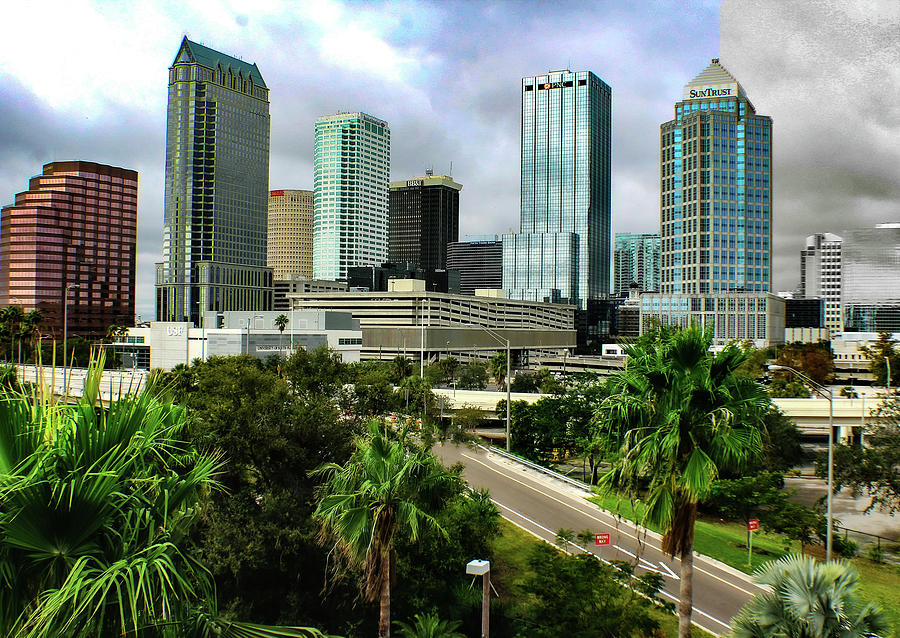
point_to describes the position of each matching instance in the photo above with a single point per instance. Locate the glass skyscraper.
(716, 190)
(352, 171)
(870, 291)
(636, 260)
(562, 251)
(217, 178)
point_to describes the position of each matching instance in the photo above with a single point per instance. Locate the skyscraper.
(352, 169)
(716, 190)
(424, 218)
(562, 250)
(479, 262)
(290, 233)
(75, 227)
(636, 260)
(870, 286)
(820, 275)
(217, 176)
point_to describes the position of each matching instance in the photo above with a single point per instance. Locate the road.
(542, 505)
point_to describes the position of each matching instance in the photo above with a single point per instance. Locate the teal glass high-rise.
(716, 190)
(562, 251)
(217, 188)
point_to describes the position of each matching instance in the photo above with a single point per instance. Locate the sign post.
(601, 539)
(752, 524)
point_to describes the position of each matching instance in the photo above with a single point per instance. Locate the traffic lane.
(718, 594)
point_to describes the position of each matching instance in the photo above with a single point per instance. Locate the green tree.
(785, 387)
(450, 366)
(429, 626)
(815, 360)
(687, 417)
(878, 353)
(12, 316)
(581, 597)
(434, 374)
(317, 374)
(473, 376)
(401, 367)
(808, 600)
(31, 330)
(377, 495)
(872, 469)
(498, 369)
(281, 322)
(94, 509)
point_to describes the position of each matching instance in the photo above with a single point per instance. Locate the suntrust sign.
(709, 92)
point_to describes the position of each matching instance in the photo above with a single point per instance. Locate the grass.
(880, 584)
(725, 542)
(511, 569)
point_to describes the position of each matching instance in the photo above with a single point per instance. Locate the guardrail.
(540, 468)
(890, 547)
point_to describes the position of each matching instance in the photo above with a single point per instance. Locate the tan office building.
(290, 234)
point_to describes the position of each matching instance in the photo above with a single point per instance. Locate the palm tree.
(683, 416)
(429, 626)
(498, 369)
(95, 505)
(379, 493)
(11, 316)
(31, 329)
(808, 600)
(401, 367)
(281, 322)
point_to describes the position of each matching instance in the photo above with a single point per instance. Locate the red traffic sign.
(753, 524)
(601, 539)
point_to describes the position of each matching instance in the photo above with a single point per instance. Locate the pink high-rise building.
(75, 226)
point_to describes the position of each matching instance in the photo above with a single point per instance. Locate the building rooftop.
(210, 58)
(714, 76)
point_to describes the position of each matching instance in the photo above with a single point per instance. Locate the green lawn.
(726, 542)
(511, 569)
(881, 585)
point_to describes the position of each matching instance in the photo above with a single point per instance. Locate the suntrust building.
(716, 214)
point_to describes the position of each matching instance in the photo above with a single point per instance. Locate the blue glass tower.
(562, 251)
(716, 190)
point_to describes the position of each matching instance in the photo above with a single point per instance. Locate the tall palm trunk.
(686, 593)
(384, 612)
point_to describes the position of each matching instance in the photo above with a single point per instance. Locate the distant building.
(300, 284)
(290, 234)
(820, 276)
(636, 260)
(377, 278)
(479, 261)
(804, 313)
(870, 291)
(562, 250)
(352, 167)
(217, 184)
(75, 227)
(424, 218)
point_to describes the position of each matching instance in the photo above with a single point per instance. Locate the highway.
(541, 505)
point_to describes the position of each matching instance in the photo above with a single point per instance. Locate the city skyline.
(455, 99)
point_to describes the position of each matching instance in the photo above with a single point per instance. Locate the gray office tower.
(217, 181)
(479, 262)
(562, 251)
(636, 261)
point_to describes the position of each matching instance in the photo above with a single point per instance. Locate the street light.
(66, 333)
(483, 568)
(250, 321)
(502, 340)
(826, 393)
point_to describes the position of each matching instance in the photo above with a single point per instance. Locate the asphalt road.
(542, 505)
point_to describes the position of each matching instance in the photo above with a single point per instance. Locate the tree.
(815, 360)
(450, 366)
(783, 387)
(377, 495)
(872, 469)
(808, 600)
(11, 316)
(316, 374)
(498, 369)
(429, 626)
(96, 502)
(581, 597)
(401, 367)
(473, 376)
(878, 353)
(31, 330)
(281, 322)
(686, 417)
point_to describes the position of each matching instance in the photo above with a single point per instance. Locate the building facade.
(217, 182)
(562, 250)
(820, 276)
(636, 261)
(716, 190)
(290, 234)
(424, 218)
(870, 292)
(75, 227)
(479, 262)
(300, 284)
(352, 166)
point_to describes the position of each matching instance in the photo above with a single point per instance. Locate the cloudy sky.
(87, 80)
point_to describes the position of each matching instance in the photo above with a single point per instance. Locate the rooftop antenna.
(429, 172)
(451, 169)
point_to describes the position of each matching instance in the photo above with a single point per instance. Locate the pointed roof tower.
(210, 58)
(713, 81)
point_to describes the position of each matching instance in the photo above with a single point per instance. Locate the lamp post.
(250, 321)
(826, 393)
(887, 381)
(66, 334)
(483, 568)
(506, 341)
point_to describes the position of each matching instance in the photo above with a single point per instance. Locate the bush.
(844, 547)
(875, 554)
